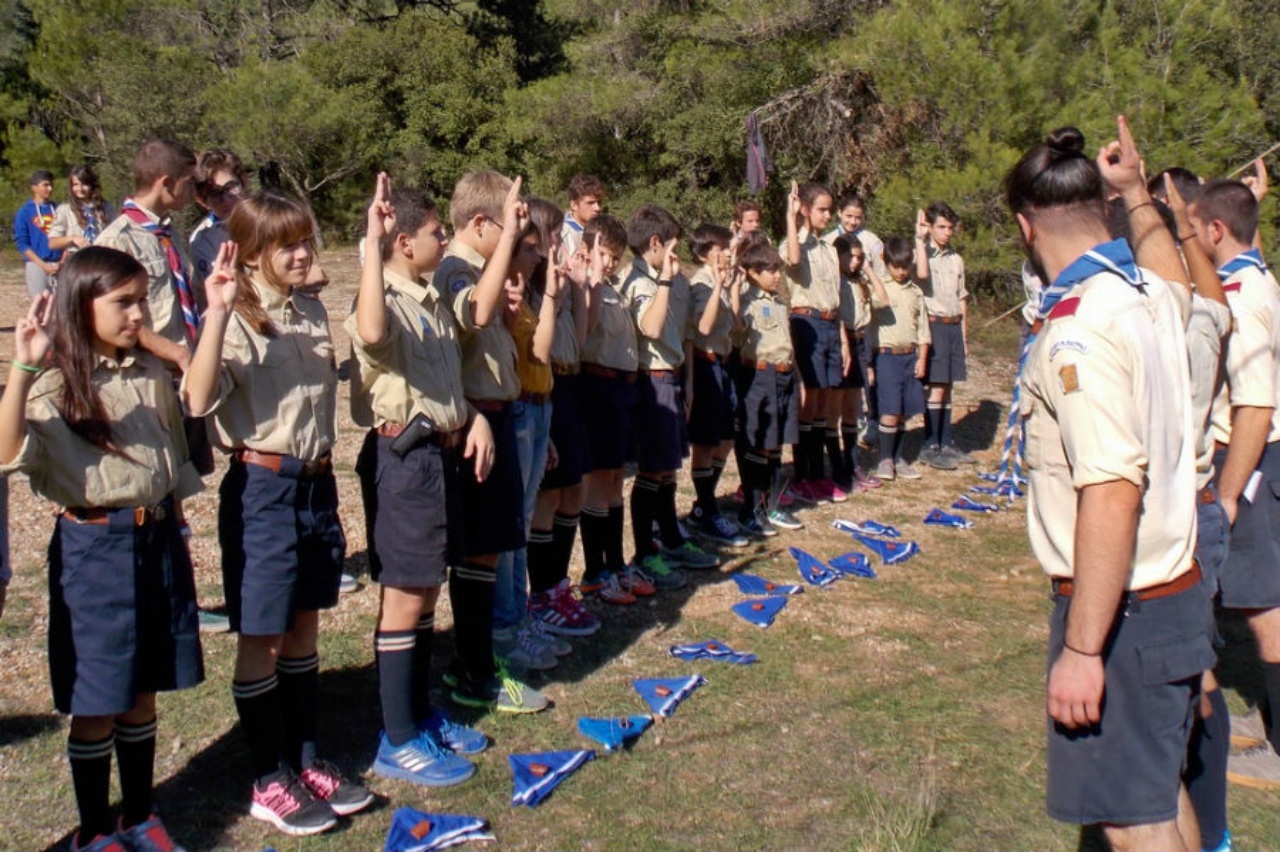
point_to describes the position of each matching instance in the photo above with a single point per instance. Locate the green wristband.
(27, 368)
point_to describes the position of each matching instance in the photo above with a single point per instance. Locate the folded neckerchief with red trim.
(968, 504)
(890, 552)
(812, 569)
(536, 775)
(613, 734)
(712, 650)
(750, 584)
(853, 564)
(939, 518)
(760, 611)
(867, 528)
(414, 831)
(663, 694)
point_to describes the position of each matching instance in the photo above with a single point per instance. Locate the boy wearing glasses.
(221, 181)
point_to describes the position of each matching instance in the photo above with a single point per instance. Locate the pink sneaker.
(831, 491)
(785, 501)
(866, 480)
(562, 613)
(809, 492)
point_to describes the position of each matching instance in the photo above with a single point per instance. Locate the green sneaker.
(503, 694)
(689, 555)
(658, 571)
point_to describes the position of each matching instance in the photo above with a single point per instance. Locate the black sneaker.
(285, 802)
(325, 782)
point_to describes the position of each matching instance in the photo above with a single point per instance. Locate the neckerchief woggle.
(1115, 257)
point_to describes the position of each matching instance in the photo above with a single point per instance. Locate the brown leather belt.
(814, 313)
(704, 355)
(531, 398)
(946, 320)
(896, 350)
(778, 368)
(444, 440)
(628, 376)
(142, 515)
(1188, 580)
(565, 369)
(275, 461)
(1207, 495)
(489, 406)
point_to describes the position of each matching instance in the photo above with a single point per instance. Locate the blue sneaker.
(101, 843)
(422, 760)
(148, 836)
(1225, 845)
(457, 737)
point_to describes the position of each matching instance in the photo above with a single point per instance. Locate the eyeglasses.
(231, 187)
(494, 222)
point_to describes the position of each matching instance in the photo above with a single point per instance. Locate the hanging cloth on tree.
(758, 163)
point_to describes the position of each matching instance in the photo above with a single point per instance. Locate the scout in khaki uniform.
(488, 218)
(767, 404)
(659, 298)
(941, 274)
(861, 290)
(1111, 464)
(265, 372)
(221, 181)
(898, 338)
(1246, 429)
(119, 476)
(423, 440)
(821, 347)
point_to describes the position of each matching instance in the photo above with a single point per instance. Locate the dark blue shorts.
(1127, 769)
(946, 354)
(856, 376)
(122, 614)
(568, 434)
(608, 411)
(662, 435)
(282, 545)
(715, 403)
(412, 512)
(817, 351)
(1251, 572)
(493, 510)
(898, 391)
(769, 411)
(862, 351)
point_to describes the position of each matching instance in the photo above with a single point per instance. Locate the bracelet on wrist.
(1131, 210)
(1066, 645)
(27, 368)
(662, 283)
(1189, 236)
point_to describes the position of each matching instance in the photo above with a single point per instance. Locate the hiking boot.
(285, 802)
(906, 470)
(422, 760)
(325, 782)
(562, 613)
(1249, 730)
(609, 589)
(884, 471)
(659, 572)
(783, 519)
(1258, 767)
(455, 736)
(521, 651)
(958, 455)
(689, 555)
(935, 458)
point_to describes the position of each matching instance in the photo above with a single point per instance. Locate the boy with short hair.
(221, 181)
(586, 202)
(899, 342)
(940, 271)
(408, 376)
(488, 217)
(31, 234)
(164, 174)
(659, 298)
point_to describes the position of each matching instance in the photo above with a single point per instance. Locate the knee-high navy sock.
(704, 485)
(755, 473)
(945, 438)
(394, 651)
(595, 533)
(933, 424)
(564, 530)
(136, 760)
(817, 445)
(614, 559)
(717, 471)
(888, 441)
(91, 778)
(540, 553)
(800, 452)
(897, 445)
(258, 705)
(644, 508)
(471, 596)
(831, 441)
(1206, 773)
(299, 689)
(1271, 682)
(423, 639)
(665, 510)
(849, 448)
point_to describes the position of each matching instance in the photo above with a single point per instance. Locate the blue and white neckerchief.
(1244, 260)
(573, 223)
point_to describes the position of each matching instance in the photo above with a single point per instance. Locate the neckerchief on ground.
(1244, 260)
(190, 317)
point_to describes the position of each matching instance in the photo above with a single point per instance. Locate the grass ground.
(900, 714)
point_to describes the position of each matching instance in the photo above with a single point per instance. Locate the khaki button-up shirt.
(945, 291)
(701, 289)
(1253, 351)
(904, 322)
(815, 281)
(612, 342)
(164, 312)
(666, 351)
(765, 332)
(488, 352)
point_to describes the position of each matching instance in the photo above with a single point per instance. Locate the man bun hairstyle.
(1055, 173)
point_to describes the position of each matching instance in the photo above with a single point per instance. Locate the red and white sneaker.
(562, 613)
(609, 590)
(285, 802)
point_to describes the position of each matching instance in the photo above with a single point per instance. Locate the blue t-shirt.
(31, 231)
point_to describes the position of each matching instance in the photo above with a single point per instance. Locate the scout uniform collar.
(273, 301)
(416, 290)
(106, 362)
(467, 253)
(934, 251)
(1244, 260)
(642, 266)
(1115, 256)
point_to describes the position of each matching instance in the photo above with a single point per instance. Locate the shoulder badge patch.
(459, 284)
(1069, 378)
